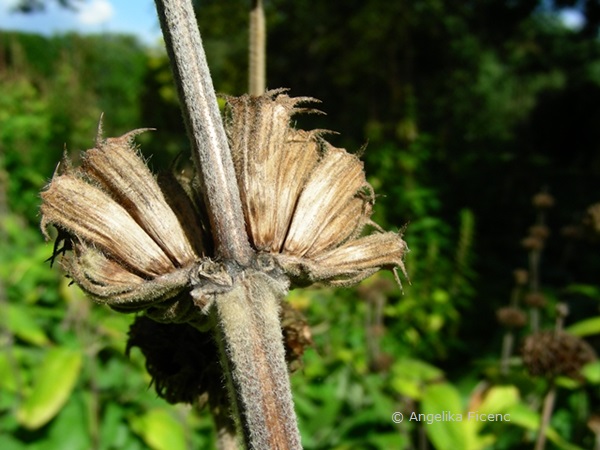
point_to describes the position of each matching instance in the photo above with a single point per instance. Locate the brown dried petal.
(330, 189)
(116, 165)
(349, 263)
(299, 161)
(106, 282)
(265, 163)
(346, 225)
(93, 216)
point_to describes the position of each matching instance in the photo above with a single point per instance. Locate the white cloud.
(95, 12)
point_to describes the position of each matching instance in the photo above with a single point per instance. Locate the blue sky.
(93, 16)
(136, 17)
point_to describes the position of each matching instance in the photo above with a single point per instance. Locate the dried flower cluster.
(137, 244)
(552, 353)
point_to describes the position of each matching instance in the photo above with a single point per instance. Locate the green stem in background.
(257, 51)
(508, 341)
(205, 129)
(562, 312)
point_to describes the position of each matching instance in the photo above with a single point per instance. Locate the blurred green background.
(468, 108)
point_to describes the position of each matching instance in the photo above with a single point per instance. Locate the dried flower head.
(591, 220)
(511, 317)
(521, 277)
(305, 202)
(542, 200)
(141, 244)
(539, 231)
(128, 247)
(535, 300)
(552, 353)
(572, 231)
(531, 243)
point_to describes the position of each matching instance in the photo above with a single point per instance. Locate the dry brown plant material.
(306, 205)
(138, 244)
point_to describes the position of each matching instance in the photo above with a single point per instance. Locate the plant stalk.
(249, 330)
(548, 407)
(254, 356)
(205, 129)
(257, 50)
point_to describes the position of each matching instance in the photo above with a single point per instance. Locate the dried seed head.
(539, 231)
(535, 300)
(130, 249)
(140, 244)
(521, 277)
(305, 201)
(542, 200)
(591, 220)
(552, 353)
(531, 243)
(511, 317)
(572, 231)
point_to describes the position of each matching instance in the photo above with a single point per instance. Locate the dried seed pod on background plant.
(511, 317)
(553, 353)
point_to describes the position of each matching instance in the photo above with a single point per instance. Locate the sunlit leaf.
(54, 383)
(159, 430)
(586, 327)
(591, 372)
(22, 324)
(438, 401)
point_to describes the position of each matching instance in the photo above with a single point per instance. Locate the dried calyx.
(139, 245)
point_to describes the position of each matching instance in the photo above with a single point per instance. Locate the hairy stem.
(205, 128)
(257, 51)
(254, 355)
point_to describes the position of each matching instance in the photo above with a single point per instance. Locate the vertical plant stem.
(507, 346)
(205, 128)
(540, 443)
(261, 393)
(534, 285)
(257, 50)
(249, 330)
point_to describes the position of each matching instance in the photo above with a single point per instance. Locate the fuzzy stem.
(257, 50)
(254, 359)
(205, 128)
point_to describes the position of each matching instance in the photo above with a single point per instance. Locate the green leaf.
(522, 416)
(438, 401)
(159, 430)
(591, 372)
(498, 399)
(587, 290)
(585, 327)
(54, 383)
(409, 376)
(8, 377)
(21, 323)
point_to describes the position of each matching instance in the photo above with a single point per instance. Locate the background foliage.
(468, 108)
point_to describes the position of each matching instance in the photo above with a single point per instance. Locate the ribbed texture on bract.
(304, 200)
